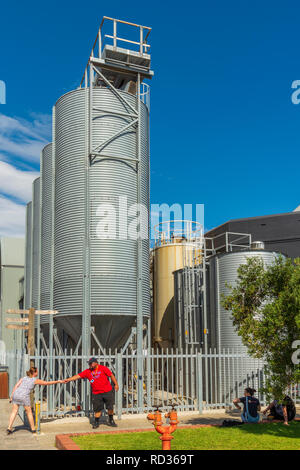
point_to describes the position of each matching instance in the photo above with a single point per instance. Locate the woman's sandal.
(9, 431)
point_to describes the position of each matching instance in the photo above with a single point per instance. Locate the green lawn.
(273, 436)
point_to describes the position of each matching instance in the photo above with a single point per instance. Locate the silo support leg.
(132, 334)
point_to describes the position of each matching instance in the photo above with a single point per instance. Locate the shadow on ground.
(21, 427)
(273, 429)
(266, 428)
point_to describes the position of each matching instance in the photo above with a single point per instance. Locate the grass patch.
(273, 436)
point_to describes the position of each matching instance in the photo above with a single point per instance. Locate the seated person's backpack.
(248, 417)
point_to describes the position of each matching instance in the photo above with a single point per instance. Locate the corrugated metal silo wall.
(46, 228)
(35, 288)
(225, 268)
(113, 262)
(233, 374)
(28, 257)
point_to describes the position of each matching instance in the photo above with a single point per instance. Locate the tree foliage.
(265, 308)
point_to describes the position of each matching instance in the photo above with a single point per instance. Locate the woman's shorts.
(21, 401)
(101, 399)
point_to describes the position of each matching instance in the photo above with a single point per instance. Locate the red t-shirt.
(98, 379)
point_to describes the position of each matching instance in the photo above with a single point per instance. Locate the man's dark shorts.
(101, 399)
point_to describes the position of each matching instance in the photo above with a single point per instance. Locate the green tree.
(265, 308)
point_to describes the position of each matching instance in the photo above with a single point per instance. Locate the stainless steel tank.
(93, 274)
(47, 177)
(28, 257)
(188, 308)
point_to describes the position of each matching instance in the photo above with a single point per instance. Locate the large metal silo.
(35, 287)
(28, 257)
(47, 178)
(101, 138)
(92, 273)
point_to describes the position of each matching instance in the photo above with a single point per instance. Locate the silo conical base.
(111, 332)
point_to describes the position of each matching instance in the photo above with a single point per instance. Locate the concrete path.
(22, 439)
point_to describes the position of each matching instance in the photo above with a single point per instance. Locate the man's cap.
(92, 359)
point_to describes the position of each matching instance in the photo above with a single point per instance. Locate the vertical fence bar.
(215, 397)
(162, 391)
(209, 398)
(192, 375)
(148, 379)
(199, 383)
(127, 381)
(187, 390)
(132, 381)
(119, 374)
(229, 377)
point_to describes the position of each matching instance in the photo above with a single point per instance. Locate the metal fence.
(191, 380)
(15, 363)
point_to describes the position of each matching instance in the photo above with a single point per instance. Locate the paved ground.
(22, 439)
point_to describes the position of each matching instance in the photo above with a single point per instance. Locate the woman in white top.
(21, 396)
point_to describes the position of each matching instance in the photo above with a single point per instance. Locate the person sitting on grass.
(251, 406)
(285, 411)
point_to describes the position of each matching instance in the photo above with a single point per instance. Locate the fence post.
(199, 383)
(148, 379)
(31, 329)
(262, 397)
(119, 378)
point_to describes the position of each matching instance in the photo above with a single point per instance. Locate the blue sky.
(224, 131)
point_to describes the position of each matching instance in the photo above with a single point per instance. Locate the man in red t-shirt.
(102, 392)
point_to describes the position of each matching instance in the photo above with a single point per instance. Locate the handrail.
(189, 230)
(142, 43)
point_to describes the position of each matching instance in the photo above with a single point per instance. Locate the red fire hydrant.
(165, 431)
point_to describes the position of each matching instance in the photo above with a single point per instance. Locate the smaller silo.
(46, 255)
(36, 212)
(223, 270)
(233, 373)
(174, 249)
